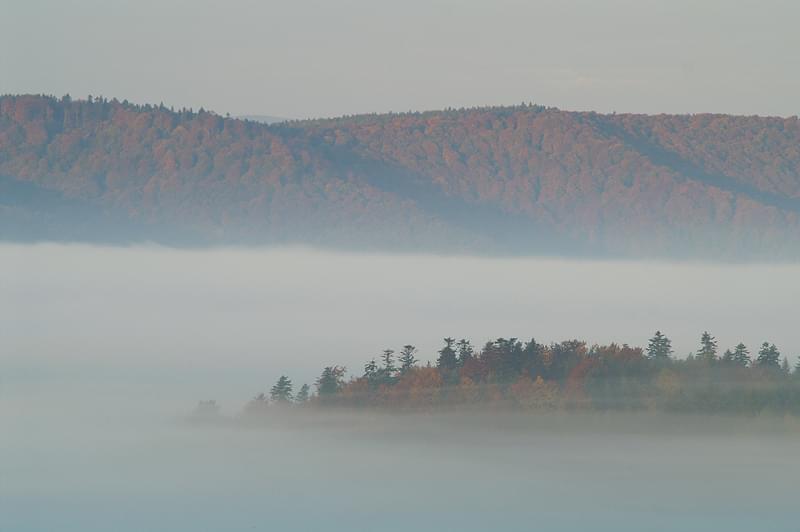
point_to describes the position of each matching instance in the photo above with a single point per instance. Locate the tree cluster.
(510, 373)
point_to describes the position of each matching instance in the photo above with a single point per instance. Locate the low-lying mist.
(105, 350)
(164, 324)
(366, 472)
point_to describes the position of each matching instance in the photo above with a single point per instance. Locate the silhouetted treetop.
(570, 374)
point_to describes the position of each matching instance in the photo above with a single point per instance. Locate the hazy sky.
(304, 58)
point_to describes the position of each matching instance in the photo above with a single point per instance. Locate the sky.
(317, 58)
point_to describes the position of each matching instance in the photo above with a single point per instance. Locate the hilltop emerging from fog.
(514, 180)
(572, 375)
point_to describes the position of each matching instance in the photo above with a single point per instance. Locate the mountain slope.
(527, 179)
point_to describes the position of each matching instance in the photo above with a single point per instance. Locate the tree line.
(571, 374)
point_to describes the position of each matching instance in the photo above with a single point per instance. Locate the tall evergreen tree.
(281, 392)
(727, 357)
(407, 358)
(447, 355)
(303, 394)
(388, 373)
(786, 369)
(659, 347)
(371, 371)
(388, 362)
(708, 348)
(741, 355)
(769, 356)
(331, 381)
(508, 359)
(465, 351)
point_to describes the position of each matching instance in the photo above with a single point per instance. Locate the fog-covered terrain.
(79, 473)
(226, 323)
(105, 350)
(420, 266)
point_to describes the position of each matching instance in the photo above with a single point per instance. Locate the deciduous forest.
(522, 180)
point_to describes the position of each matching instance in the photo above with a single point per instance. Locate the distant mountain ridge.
(523, 180)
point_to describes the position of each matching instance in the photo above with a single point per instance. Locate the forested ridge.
(571, 375)
(525, 179)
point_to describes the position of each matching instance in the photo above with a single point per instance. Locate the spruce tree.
(447, 356)
(330, 382)
(388, 361)
(407, 359)
(388, 371)
(371, 371)
(281, 392)
(769, 356)
(708, 348)
(303, 395)
(741, 355)
(465, 351)
(659, 347)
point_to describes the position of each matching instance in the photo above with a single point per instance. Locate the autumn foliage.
(525, 179)
(509, 374)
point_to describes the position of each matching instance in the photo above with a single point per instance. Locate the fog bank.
(171, 326)
(427, 473)
(104, 348)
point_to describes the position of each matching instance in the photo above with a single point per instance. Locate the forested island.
(570, 375)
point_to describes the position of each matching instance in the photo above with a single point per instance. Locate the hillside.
(522, 180)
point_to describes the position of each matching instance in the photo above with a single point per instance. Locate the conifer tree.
(447, 355)
(371, 371)
(388, 372)
(303, 394)
(281, 392)
(741, 355)
(660, 347)
(388, 362)
(407, 359)
(465, 351)
(331, 381)
(708, 348)
(769, 356)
